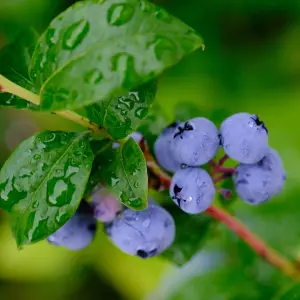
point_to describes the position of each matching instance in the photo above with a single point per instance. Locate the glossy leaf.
(191, 231)
(99, 148)
(43, 181)
(98, 50)
(155, 122)
(122, 115)
(15, 60)
(124, 171)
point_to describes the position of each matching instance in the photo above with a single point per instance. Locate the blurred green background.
(251, 63)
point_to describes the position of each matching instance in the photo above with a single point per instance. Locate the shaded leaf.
(122, 115)
(98, 147)
(124, 171)
(43, 181)
(293, 293)
(99, 50)
(15, 60)
(191, 231)
(152, 126)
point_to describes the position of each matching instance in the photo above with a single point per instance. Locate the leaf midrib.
(123, 167)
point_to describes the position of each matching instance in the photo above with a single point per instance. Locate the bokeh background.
(251, 63)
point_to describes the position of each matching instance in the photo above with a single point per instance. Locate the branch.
(257, 245)
(7, 86)
(254, 242)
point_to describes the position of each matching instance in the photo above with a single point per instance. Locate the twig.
(254, 242)
(259, 246)
(223, 160)
(7, 86)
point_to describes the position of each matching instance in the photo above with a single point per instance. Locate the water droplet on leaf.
(141, 112)
(75, 34)
(93, 77)
(119, 14)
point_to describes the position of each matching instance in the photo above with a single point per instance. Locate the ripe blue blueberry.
(244, 138)
(77, 233)
(195, 142)
(142, 233)
(192, 189)
(257, 183)
(162, 149)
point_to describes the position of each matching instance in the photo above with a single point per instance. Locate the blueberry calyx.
(186, 127)
(258, 122)
(177, 189)
(142, 254)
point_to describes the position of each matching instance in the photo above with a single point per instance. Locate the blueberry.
(77, 233)
(244, 138)
(195, 142)
(105, 205)
(192, 189)
(259, 182)
(162, 149)
(142, 233)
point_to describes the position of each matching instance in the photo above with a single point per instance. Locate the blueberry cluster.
(181, 149)
(142, 233)
(184, 146)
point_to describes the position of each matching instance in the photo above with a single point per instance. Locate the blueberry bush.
(153, 186)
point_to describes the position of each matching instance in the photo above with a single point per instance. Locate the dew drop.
(141, 112)
(51, 36)
(145, 6)
(162, 15)
(114, 181)
(126, 103)
(146, 223)
(37, 156)
(136, 184)
(47, 137)
(93, 77)
(62, 218)
(135, 202)
(75, 34)
(165, 50)
(35, 204)
(59, 173)
(120, 14)
(57, 193)
(71, 170)
(135, 97)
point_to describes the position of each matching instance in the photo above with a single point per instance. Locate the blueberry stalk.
(254, 242)
(7, 86)
(259, 246)
(223, 160)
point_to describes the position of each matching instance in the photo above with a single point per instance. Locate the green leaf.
(99, 50)
(98, 147)
(293, 293)
(43, 181)
(191, 231)
(15, 60)
(124, 171)
(122, 115)
(152, 126)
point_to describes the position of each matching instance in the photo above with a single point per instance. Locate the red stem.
(223, 160)
(254, 242)
(259, 246)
